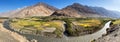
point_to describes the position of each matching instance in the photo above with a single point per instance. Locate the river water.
(85, 38)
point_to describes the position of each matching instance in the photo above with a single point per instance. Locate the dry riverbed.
(112, 36)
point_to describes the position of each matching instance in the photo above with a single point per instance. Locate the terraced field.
(38, 27)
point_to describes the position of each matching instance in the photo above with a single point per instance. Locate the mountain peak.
(41, 3)
(39, 9)
(81, 8)
(76, 10)
(45, 5)
(77, 4)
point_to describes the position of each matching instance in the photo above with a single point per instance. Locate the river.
(85, 38)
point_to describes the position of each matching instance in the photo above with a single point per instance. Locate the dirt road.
(9, 36)
(5, 36)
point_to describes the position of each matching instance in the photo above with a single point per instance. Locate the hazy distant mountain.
(9, 13)
(76, 10)
(40, 9)
(106, 12)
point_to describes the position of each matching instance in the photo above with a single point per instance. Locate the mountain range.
(74, 10)
(40, 9)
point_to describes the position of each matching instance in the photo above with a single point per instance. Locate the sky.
(8, 5)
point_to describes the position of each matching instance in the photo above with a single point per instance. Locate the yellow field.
(38, 25)
(116, 22)
(88, 23)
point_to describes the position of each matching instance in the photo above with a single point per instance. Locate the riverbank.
(6, 37)
(13, 34)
